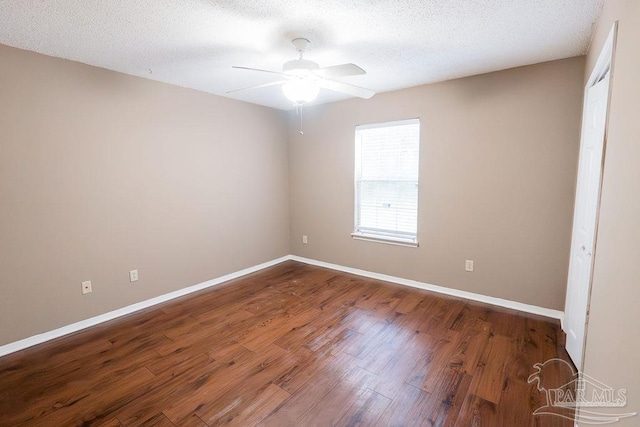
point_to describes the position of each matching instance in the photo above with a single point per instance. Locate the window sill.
(385, 240)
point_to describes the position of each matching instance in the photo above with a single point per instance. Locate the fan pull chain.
(299, 111)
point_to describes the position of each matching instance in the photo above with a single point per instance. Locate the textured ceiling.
(400, 43)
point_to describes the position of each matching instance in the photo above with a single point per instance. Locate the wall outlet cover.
(468, 265)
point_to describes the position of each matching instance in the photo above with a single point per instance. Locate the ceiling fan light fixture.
(302, 79)
(300, 91)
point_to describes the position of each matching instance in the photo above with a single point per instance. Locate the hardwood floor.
(291, 345)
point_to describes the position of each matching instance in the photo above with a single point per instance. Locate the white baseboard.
(514, 305)
(83, 324)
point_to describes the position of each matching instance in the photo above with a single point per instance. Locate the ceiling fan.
(302, 79)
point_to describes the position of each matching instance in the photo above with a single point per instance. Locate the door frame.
(604, 64)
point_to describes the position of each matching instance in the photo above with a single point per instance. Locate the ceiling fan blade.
(279, 82)
(360, 92)
(341, 70)
(257, 69)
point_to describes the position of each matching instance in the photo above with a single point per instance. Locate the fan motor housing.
(299, 67)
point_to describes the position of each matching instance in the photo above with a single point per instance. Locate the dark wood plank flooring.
(292, 345)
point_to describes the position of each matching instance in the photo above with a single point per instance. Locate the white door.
(585, 218)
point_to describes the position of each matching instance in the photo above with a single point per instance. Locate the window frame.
(358, 234)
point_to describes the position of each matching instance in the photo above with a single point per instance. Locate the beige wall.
(613, 347)
(497, 176)
(101, 173)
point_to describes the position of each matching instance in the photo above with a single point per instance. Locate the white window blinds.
(386, 180)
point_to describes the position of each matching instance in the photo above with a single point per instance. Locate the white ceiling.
(400, 43)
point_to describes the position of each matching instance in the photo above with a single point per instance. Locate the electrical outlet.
(133, 276)
(468, 265)
(86, 287)
(304, 239)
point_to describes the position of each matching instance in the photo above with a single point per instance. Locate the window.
(386, 181)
